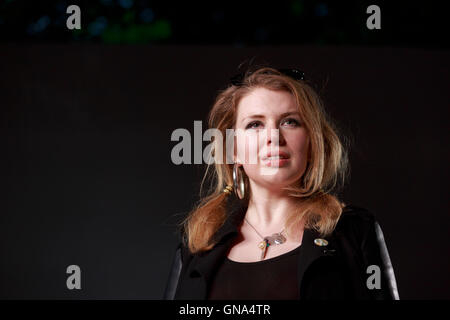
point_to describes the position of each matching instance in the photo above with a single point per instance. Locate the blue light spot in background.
(126, 4)
(39, 26)
(321, 10)
(147, 15)
(61, 7)
(96, 28)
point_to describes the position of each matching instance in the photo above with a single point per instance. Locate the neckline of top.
(288, 253)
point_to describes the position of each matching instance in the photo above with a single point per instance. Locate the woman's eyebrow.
(281, 115)
(292, 113)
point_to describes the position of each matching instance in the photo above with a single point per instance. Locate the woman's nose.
(274, 136)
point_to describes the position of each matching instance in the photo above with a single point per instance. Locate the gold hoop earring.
(238, 181)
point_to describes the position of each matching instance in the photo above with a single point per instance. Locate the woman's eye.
(291, 122)
(253, 125)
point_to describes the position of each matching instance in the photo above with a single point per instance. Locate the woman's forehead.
(262, 101)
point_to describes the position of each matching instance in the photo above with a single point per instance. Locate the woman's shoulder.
(357, 221)
(355, 214)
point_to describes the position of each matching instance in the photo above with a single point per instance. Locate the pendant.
(263, 245)
(276, 238)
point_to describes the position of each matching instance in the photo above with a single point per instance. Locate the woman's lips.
(276, 161)
(279, 154)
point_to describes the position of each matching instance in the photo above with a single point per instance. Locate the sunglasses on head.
(293, 73)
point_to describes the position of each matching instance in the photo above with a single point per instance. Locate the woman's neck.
(268, 209)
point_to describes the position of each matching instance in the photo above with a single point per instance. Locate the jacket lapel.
(310, 252)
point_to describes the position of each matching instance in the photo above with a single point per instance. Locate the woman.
(271, 228)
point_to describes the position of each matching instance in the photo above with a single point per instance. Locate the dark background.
(86, 120)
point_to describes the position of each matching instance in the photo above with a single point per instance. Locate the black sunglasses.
(293, 73)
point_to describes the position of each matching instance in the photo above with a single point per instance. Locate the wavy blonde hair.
(325, 170)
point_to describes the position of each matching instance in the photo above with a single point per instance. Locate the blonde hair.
(326, 166)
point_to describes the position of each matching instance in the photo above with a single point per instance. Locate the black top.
(271, 279)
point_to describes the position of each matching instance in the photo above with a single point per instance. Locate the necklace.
(276, 238)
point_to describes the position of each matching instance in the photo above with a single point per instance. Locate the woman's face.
(271, 142)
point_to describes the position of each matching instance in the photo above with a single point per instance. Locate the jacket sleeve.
(174, 275)
(376, 257)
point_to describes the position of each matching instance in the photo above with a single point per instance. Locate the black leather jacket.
(336, 271)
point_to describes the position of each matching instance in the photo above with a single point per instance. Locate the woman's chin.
(274, 178)
(276, 182)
